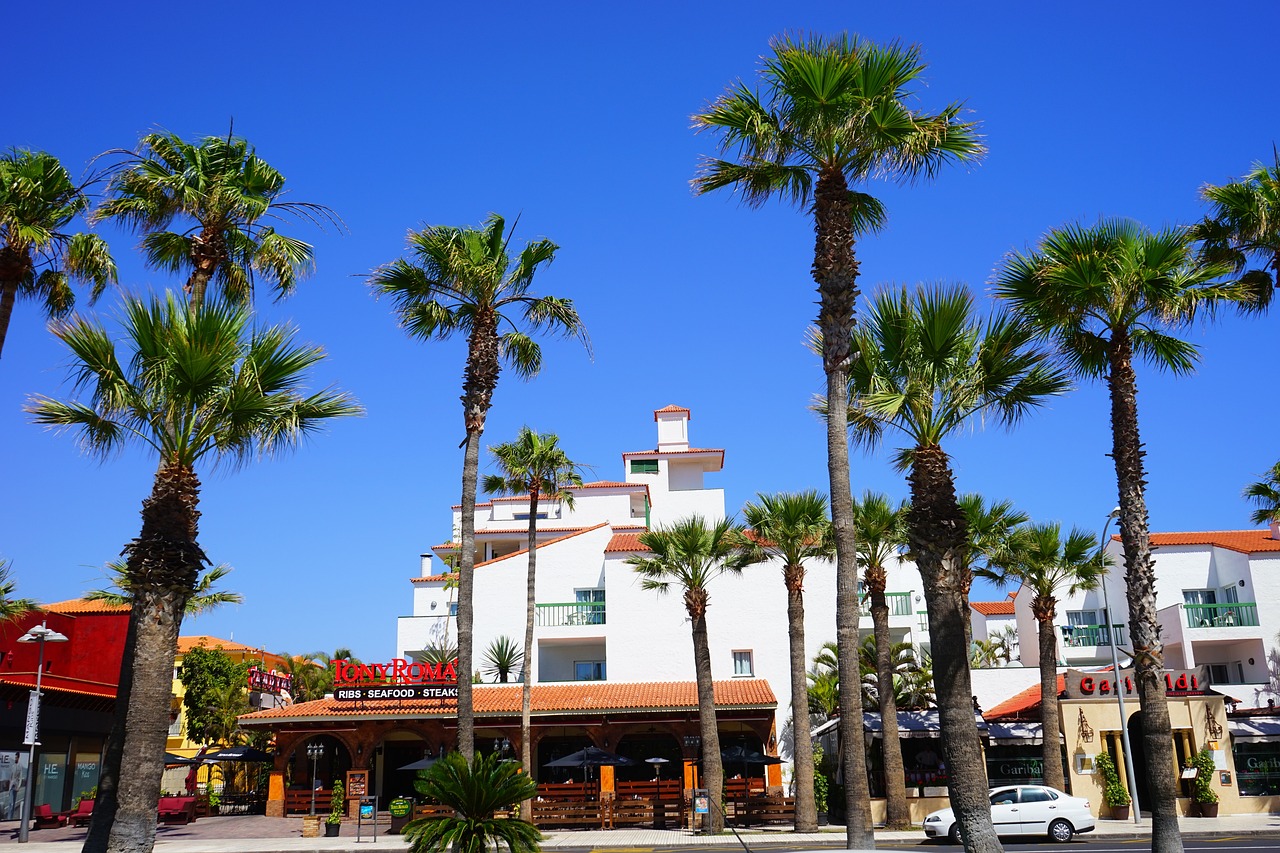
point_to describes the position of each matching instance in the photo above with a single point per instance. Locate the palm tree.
(534, 465)
(203, 598)
(38, 258)
(880, 530)
(928, 367)
(902, 663)
(463, 281)
(223, 195)
(987, 654)
(989, 529)
(475, 792)
(502, 658)
(1243, 226)
(794, 527)
(834, 115)
(690, 554)
(12, 609)
(306, 677)
(1266, 494)
(1105, 295)
(1044, 562)
(193, 386)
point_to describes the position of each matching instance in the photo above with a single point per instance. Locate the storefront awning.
(1016, 734)
(1256, 730)
(915, 723)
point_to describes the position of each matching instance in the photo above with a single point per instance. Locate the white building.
(594, 622)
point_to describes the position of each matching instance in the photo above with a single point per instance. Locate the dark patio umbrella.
(171, 760)
(591, 757)
(420, 764)
(742, 755)
(239, 753)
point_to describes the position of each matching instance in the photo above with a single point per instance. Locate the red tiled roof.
(478, 506)
(79, 606)
(622, 542)
(1244, 541)
(666, 410)
(595, 696)
(569, 533)
(1021, 706)
(78, 686)
(993, 608)
(719, 450)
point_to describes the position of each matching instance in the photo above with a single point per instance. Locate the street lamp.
(1115, 666)
(315, 752)
(40, 634)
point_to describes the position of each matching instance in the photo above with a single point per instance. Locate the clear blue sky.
(576, 118)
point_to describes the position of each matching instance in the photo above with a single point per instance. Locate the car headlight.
(933, 818)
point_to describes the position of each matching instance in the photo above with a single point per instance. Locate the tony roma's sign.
(399, 679)
(1106, 685)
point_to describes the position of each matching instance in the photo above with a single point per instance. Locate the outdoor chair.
(46, 819)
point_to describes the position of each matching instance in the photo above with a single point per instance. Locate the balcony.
(1076, 636)
(1231, 615)
(899, 604)
(570, 613)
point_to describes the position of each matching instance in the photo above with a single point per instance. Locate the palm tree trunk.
(466, 597)
(712, 769)
(105, 802)
(526, 689)
(1050, 723)
(936, 532)
(897, 812)
(806, 807)
(1140, 581)
(163, 564)
(835, 269)
(8, 296)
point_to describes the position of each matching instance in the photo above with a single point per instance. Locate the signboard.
(1106, 685)
(269, 681)
(702, 804)
(366, 811)
(399, 679)
(400, 807)
(33, 720)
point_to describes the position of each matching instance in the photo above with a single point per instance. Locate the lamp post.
(40, 634)
(1115, 665)
(315, 752)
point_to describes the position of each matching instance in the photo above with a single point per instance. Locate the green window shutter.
(644, 466)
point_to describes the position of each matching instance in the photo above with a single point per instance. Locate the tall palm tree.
(928, 366)
(689, 555)
(39, 259)
(463, 281)
(880, 530)
(12, 608)
(534, 465)
(475, 792)
(1044, 562)
(794, 527)
(834, 115)
(1243, 227)
(1106, 295)
(203, 597)
(224, 198)
(192, 386)
(1266, 494)
(989, 530)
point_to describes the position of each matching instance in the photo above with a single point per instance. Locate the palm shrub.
(475, 792)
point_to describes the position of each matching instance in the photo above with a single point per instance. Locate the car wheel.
(1061, 831)
(954, 834)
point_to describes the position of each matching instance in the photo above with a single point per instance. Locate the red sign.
(399, 679)
(269, 682)
(1105, 685)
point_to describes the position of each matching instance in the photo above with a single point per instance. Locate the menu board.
(357, 783)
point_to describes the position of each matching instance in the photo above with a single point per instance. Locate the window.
(742, 663)
(588, 670)
(1036, 795)
(453, 608)
(593, 615)
(1199, 596)
(524, 516)
(644, 466)
(1081, 618)
(1219, 673)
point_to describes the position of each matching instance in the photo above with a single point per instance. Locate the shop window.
(588, 670)
(1257, 768)
(644, 466)
(743, 663)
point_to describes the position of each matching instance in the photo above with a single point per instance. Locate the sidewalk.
(284, 835)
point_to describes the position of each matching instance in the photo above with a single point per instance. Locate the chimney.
(1275, 528)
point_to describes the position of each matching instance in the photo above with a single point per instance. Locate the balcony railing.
(1231, 615)
(570, 613)
(899, 604)
(1075, 636)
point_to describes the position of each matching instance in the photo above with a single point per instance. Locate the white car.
(1023, 810)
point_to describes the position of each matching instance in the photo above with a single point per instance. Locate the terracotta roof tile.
(597, 696)
(569, 534)
(623, 542)
(719, 450)
(612, 484)
(993, 608)
(79, 606)
(1021, 706)
(1244, 541)
(666, 410)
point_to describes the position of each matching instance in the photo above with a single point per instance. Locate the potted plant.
(1114, 795)
(1202, 788)
(337, 805)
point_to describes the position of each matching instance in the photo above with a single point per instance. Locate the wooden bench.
(298, 800)
(431, 810)
(766, 810)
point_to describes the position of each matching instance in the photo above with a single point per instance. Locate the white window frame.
(741, 655)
